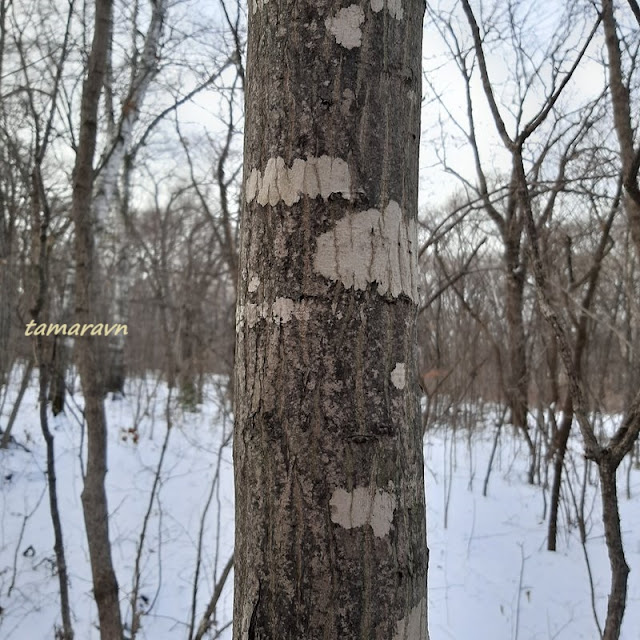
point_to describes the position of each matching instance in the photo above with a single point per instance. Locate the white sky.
(435, 184)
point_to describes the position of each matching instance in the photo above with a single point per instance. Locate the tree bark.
(621, 102)
(613, 536)
(518, 384)
(118, 161)
(560, 449)
(94, 498)
(66, 633)
(26, 377)
(561, 438)
(57, 384)
(330, 508)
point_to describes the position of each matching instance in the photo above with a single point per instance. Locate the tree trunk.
(57, 384)
(560, 449)
(117, 161)
(66, 633)
(621, 102)
(94, 498)
(518, 382)
(26, 377)
(7, 276)
(330, 508)
(617, 561)
(561, 438)
(116, 371)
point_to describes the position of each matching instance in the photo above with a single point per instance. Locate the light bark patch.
(394, 7)
(414, 625)
(347, 101)
(254, 283)
(345, 26)
(313, 177)
(258, 4)
(363, 506)
(372, 246)
(398, 376)
(281, 311)
(251, 313)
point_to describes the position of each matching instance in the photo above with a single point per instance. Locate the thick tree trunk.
(330, 509)
(94, 498)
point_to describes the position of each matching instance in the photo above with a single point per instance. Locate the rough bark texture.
(330, 509)
(57, 385)
(94, 499)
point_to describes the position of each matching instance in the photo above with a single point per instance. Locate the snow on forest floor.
(489, 576)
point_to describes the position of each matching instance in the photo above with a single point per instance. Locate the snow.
(489, 569)
(490, 575)
(171, 548)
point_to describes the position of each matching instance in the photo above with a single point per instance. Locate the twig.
(136, 613)
(522, 561)
(19, 542)
(493, 451)
(205, 622)
(214, 483)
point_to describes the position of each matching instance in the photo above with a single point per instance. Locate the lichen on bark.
(330, 510)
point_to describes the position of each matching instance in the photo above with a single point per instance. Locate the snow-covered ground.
(489, 576)
(189, 487)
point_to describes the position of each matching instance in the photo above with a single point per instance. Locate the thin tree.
(330, 507)
(94, 498)
(621, 103)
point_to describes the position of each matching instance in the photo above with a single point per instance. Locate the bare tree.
(29, 154)
(537, 137)
(558, 446)
(94, 498)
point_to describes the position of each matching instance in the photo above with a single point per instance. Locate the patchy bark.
(330, 511)
(116, 162)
